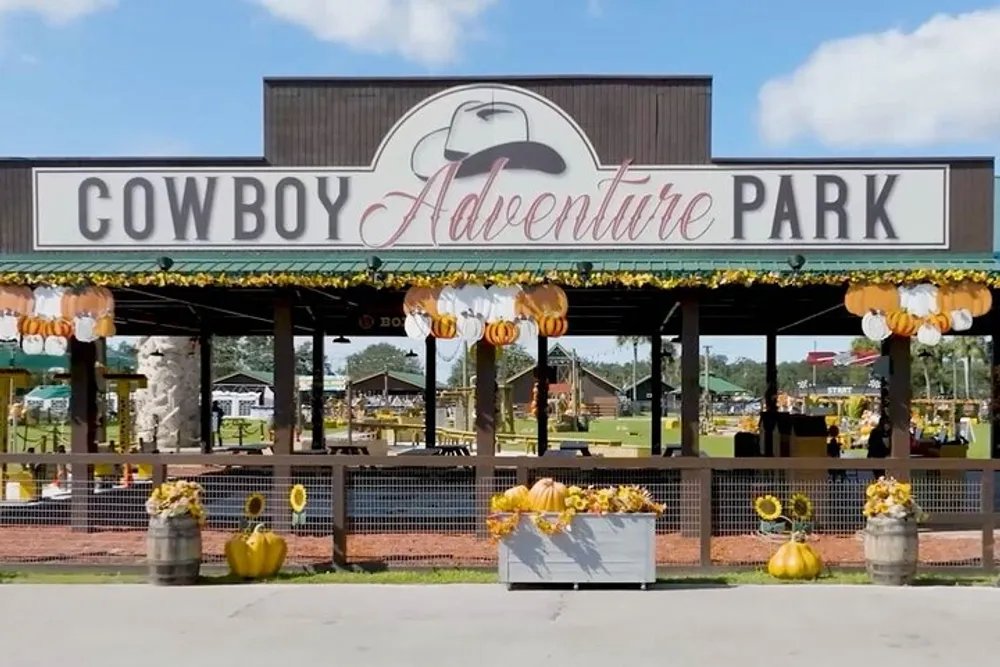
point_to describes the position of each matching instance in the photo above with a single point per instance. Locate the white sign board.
(485, 167)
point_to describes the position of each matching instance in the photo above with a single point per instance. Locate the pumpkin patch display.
(259, 554)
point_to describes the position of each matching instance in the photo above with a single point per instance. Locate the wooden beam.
(430, 391)
(656, 432)
(486, 398)
(205, 414)
(316, 404)
(690, 374)
(542, 398)
(284, 408)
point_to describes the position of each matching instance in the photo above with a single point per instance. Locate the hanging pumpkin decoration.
(444, 327)
(501, 333)
(875, 327)
(547, 495)
(470, 327)
(105, 327)
(928, 334)
(940, 321)
(545, 300)
(552, 326)
(795, 560)
(527, 329)
(91, 311)
(256, 555)
(961, 320)
(861, 299)
(16, 302)
(902, 323)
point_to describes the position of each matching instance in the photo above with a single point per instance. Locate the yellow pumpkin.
(105, 327)
(795, 560)
(547, 495)
(256, 555)
(519, 496)
(902, 323)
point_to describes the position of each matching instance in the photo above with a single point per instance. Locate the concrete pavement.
(485, 625)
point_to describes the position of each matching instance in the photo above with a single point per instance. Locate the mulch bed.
(59, 544)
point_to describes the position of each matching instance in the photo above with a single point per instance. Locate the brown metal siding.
(376, 384)
(971, 207)
(15, 209)
(342, 122)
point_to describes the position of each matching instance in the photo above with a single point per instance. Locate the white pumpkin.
(447, 303)
(417, 326)
(875, 327)
(84, 328)
(470, 328)
(961, 320)
(55, 345)
(527, 329)
(922, 300)
(8, 328)
(928, 334)
(33, 344)
(502, 301)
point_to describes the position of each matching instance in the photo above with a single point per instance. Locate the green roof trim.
(264, 377)
(49, 392)
(445, 261)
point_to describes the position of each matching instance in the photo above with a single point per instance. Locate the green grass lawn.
(459, 576)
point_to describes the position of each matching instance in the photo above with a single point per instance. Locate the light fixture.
(584, 269)
(796, 262)
(374, 263)
(340, 340)
(165, 263)
(156, 353)
(410, 354)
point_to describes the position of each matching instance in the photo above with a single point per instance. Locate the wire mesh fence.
(435, 516)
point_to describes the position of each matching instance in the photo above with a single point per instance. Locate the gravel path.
(485, 625)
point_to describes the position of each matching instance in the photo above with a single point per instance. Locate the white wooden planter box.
(610, 549)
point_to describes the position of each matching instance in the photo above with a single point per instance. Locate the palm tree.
(970, 349)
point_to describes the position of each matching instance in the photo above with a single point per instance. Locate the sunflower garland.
(387, 280)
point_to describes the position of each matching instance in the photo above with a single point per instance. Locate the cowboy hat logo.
(479, 134)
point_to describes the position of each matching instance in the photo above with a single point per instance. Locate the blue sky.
(183, 77)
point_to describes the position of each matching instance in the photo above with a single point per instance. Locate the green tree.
(303, 360)
(226, 356)
(511, 359)
(670, 356)
(381, 357)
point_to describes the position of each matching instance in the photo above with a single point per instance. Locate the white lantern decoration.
(8, 328)
(417, 326)
(447, 303)
(928, 335)
(961, 319)
(470, 328)
(875, 327)
(527, 329)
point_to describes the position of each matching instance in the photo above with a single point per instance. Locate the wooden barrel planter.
(173, 551)
(891, 550)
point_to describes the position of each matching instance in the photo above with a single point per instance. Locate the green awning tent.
(12, 357)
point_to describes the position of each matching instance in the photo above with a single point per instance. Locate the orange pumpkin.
(32, 326)
(105, 301)
(61, 328)
(16, 299)
(547, 495)
(547, 299)
(882, 298)
(854, 300)
(552, 326)
(421, 300)
(941, 321)
(105, 327)
(444, 327)
(501, 333)
(902, 323)
(977, 299)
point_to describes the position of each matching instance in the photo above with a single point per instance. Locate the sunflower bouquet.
(776, 519)
(887, 497)
(175, 499)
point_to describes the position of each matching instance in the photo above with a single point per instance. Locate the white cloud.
(939, 83)
(57, 12)
(430, 32)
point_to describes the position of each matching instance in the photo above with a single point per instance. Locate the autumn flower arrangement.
(795, 516)
(175, 499)
(887, 497)
(551, 505)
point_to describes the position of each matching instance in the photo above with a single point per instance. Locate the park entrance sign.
(493, 167)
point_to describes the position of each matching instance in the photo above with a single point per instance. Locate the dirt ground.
(58, 544)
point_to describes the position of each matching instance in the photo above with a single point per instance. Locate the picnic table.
(348, 450)
(441, 450)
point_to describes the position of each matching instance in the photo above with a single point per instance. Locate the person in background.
(217, 415)
(833, 451)
(878, 444)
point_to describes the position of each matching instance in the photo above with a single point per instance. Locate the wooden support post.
(83, 415)
(338, 495)
(995, 387)
(316, 403)
(690, 378)
(101, 391)
(205, 414)
(899, 404)
(770, 416)
(430, 392)
(486, 398)
(284, 409)
(542, 397)
(656, 432)
(691, 514)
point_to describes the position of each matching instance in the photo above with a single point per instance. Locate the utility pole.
(706, 394)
